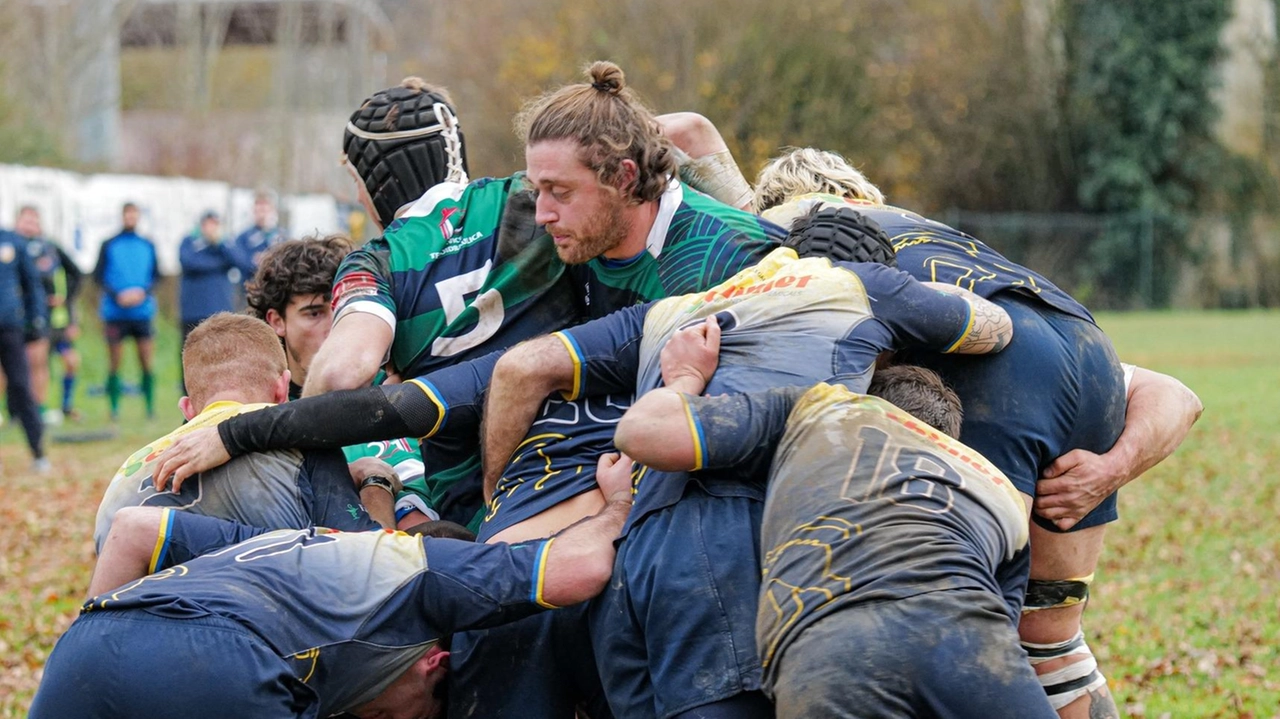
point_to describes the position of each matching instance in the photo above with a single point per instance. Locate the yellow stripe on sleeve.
(695, 433)
(441, 409)
(540, 574)
(162, 540)
(968, 328)
(576, 358)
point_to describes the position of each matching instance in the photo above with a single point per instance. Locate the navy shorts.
(1058, 386)
(59, 340)
(117, 331)
(539, 666)
(951, 653)
(130, 664)
(675, 628)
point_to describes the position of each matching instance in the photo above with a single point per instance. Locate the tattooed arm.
(992, 328)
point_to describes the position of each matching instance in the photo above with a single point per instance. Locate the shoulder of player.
(875, 277)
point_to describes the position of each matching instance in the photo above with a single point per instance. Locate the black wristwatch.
(379, 481)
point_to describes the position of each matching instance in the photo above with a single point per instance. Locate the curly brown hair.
(610, 124)
(295, 267)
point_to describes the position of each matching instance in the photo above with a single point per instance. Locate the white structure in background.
(80, 211)
(1249, 47)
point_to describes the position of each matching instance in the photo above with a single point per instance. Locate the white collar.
(667, 205)
(426, 204)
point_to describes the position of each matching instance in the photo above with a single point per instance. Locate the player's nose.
(544, 209)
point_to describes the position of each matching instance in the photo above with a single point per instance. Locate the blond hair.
(805, 169)
(232, 353)
(610, 123)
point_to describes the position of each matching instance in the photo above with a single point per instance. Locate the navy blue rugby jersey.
(348, 611)
(784, 322)
(933, 252)
(864, 502)
(557, 459)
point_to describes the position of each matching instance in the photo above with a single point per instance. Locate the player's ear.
(626, 176)
(276, 320)
(437, 659)
(280, 390)
(188, 409)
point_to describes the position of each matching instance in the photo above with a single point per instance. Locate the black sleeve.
(155, 266)
(100, 268)
(334, 420)
(72, 273)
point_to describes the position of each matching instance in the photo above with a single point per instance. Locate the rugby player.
(814, 309)
(608, 193)
(542, 486)
(301, 623)
(22, 313)
(784, 321)
(706, 163)
(127, 271)
(235, 365)
(291, 291)
(1054, 403)
(462, 270)
(670, 239)
(1061, 388)
(888, 548)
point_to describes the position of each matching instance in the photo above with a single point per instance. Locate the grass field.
(1185, 616)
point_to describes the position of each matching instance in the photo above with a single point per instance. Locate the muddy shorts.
(951, 653)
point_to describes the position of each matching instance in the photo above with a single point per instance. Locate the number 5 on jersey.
(488, 307)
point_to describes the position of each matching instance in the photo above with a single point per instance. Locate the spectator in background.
(60, 278)
(265, 232)
(127, 273)
(28, 227)
(207, 279)
(22, 310)
(256, 240)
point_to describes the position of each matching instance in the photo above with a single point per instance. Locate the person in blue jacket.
(127, 272)
(211, 271)
(22, 315)
(264, 234)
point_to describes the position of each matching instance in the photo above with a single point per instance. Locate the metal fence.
(1138, 260)
(1105, 261)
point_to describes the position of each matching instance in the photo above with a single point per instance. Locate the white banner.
(79, 212)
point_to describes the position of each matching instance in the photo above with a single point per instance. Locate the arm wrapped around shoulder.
(334, 420)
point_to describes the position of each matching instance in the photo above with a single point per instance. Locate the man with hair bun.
(630, 231)
(608, 193)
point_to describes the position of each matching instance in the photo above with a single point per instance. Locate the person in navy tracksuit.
(208, 267)
(22, 315)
